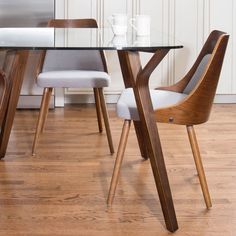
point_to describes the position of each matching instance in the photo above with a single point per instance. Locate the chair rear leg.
(106, 120)
(199, 166)
(98, 108)
(42, 116)
(118, 162)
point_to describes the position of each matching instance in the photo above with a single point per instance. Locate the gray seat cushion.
(126, 106)
(73, 79)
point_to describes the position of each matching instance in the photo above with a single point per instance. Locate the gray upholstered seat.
(73, 79)
(126, 106)
(73, 69)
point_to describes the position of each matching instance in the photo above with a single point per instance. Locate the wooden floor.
(63, 189)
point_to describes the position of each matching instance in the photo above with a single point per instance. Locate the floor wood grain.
(63, 189)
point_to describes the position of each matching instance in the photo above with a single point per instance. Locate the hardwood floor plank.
(63, 189)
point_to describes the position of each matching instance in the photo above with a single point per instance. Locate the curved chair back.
(56, 60)
(200, 84)
(73, 23)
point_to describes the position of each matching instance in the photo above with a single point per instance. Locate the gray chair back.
(56, 60)
(197, 74)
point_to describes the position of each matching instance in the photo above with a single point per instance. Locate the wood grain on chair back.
(196, 107)
(73, 23)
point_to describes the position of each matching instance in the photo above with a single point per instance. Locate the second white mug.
(142, 24)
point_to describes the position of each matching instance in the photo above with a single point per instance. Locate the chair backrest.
(200, 84)
(52, 60)
(7, 75)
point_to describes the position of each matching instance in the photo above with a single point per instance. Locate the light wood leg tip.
(109, 202)
(209, 206)
(112, 152)
(111, 149)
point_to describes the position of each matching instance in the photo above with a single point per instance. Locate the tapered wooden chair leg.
(98, 108)
(46, 108)
(43, 109)
(119, 159)
(199, 166)
(106, 120)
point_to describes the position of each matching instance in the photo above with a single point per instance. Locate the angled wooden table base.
(15, 89)
(137, 77)
(146, 129)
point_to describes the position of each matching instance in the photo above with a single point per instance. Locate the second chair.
(76, 69)
(187, 102)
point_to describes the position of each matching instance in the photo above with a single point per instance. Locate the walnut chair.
(188, 102)
(73, 69)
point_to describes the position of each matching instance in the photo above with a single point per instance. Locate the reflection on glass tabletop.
(83, 38)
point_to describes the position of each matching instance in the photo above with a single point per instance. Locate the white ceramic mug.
(118, 19)
(119, 29)
(118, 23)
(142, 24)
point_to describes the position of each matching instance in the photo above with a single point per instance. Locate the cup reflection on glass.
(119, 41)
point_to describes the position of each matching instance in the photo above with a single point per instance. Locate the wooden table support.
(137, 78)
(146, 130)
(15, 89)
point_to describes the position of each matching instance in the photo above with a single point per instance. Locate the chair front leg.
(42, 116)
(45, 112)
(199, 166)
(98, 108)
(106, 119)
(119, 159)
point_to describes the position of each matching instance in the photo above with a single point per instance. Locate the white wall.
(189, 22)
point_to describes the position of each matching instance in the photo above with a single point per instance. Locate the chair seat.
(73, 79)
(126, 106)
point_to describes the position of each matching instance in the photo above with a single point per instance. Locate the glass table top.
(83, 38)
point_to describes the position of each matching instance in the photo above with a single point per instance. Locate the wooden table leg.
(12, 103)
(137, 78)
(137, 124)
(141, 139)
